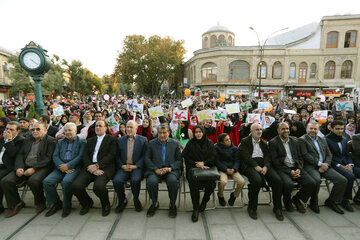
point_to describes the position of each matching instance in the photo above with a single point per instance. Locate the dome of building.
(218, 28)
(218, 36)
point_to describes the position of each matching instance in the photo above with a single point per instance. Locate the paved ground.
(213, 224)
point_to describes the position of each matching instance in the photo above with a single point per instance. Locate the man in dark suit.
(163, 161)
(317, 163)
(341, 161)
(51, 130)
(355, 153)
(33, 163)
(287, 162)
(255, 164)
(10, 142)
(99, 167)
(130, 164)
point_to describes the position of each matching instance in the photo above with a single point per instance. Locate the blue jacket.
(138, 156)
(77, 152)
(227, 157)
(344, 157)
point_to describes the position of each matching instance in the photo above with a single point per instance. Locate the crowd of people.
(98, 140)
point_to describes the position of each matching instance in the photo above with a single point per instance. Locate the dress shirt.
(130, 150)
(316, 143)
(289, 161)
(3, 151)
(68, 154)
(257, 152)
(97, 147)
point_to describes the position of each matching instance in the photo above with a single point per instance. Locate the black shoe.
(252, 213)
(333, 206)
(314, 207)
(289, 207)
(221, 200)
(202, 206)
(195, 216)
(356, 200)
(121, 206)
(172, 212)
(2, 209)
(152, 209)
(138, 206)
(346, 205)
(106, 210)
(299, 206)
(278, 214)
(85, 209)
(53, 209)
(66, 212)
(231, 199)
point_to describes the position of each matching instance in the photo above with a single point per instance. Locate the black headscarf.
(198, 149)
(228, 129)
(145, 129)
(185, 130)
(300, 129)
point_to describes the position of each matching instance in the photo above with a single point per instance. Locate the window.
(329, 72)
(213, 41)
(346, 69)
(277, 70)
(208, 71)
(221, 41)
(292, 72)
(230, 40)
(313, 70)
(332, 40)
(239, 70)
(262, 69)
(350, 39)
(302, 71)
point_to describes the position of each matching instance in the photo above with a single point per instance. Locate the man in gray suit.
(163, 162)
(317, 162)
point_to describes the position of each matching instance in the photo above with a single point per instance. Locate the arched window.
(239, 70)
(346, 69)
(329, 72)
(262, 69)
(313, 70)
(332, 39)
(350, 39)
(230, 41)
(277, 70)
(213, 41)
(206, 42)
(292, 72)
(221, 41)
(208, 71)
(302, 71)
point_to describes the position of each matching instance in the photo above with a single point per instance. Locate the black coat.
(227, 157)
(11, 150)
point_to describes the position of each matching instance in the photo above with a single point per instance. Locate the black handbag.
(202, 174)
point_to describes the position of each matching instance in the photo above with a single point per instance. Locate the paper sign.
(112, 122)
(289, 111)
(138, 107)
(130, 103)
(264, 105)
(58, 111)
(232, 108)
(253, 118)
(245, 105)
(347, 106)
(219, 114)
(186, 103)
(205, 114)
(320, 114)
(180, 115)
(156, 111)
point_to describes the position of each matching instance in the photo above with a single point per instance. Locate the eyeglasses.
(35, 129)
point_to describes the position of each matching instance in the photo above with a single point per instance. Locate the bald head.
(256, 131)
(131, 128)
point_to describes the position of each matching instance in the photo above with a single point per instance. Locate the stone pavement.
(213, 224)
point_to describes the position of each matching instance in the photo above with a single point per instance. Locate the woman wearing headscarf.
(297, 129)
(183, 133)
(145, 129)
(349, 130)
(199, 153)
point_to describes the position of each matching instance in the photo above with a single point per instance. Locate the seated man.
(99, 167)
(287, 161)
(317, 160)
(163, 161)
(50, 130)
(67, 158)
(130, 164)
(341, 161)
(255, 164)
(10, 142)
(33, 163)
(24, 127)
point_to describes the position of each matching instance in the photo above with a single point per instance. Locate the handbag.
(202, 174)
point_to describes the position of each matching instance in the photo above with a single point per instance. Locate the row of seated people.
(281, 162)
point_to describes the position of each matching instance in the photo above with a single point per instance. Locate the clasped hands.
(347, 167)
(94, 169)
(295, 173)
(65, 169)
(28, 172)
(162, 171)
(261, 170)
(128, 167)
(323, 168)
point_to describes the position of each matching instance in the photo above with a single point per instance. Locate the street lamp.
(261, 52)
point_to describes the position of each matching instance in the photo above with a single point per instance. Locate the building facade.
(318, 58)
(5, 81)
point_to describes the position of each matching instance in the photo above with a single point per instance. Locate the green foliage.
(21, 79)
(32, 112)
(2, 114)
(54, 80)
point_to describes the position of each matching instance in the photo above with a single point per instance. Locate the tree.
(149, 63)
(32, 112)
(21, 79)
(54, 80)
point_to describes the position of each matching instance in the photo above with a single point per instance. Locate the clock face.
(31, 60)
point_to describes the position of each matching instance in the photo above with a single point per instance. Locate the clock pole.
(40, 109)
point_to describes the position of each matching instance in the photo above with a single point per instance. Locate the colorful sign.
(205, 114)
(180, 115)
(232, 108)
(320, 114)
(346, 105)
(58, 111)
(264, 105)
(131, 103)
(186, 103)
(156, 111)
(253, 118)
(219, 114)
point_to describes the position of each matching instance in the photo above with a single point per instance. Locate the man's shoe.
(66, 212)
(106, 210)
(221, 201)
(278, 214)
(333, 206)
(172, 212)
(346, 205)
(53, 209)
(85, 209)
(289, 207)
(121, 206)
(299, 206)
(252, 213)
(138, 206)
(195, 216)
(41, 207)
(202, 206)
(152, 209)
(2, 209)
(15, 210)
(314, 207)
(231, 199)
(356, 200)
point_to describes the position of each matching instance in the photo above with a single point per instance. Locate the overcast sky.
(93, 31)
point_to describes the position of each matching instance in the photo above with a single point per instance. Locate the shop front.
(305, 93)
(243, 92)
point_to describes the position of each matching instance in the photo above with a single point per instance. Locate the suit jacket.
(355, 154)
(309, 152)
(246, 150)
(106, 154)
(78, 148)
(154, 159)
(52, 131)
(11, 149)
(44, 156)
(278, 154)
(140, 145)
(339, 157)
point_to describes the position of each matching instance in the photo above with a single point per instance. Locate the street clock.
(34, 59)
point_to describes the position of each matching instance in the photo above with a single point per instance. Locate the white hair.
(71, 124)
